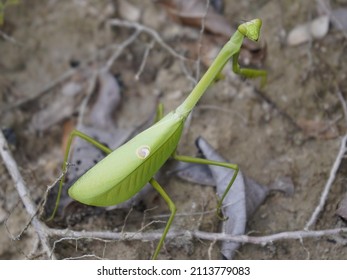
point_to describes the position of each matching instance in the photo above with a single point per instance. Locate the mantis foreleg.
(248, 72)
(75, 133)
(216, 163)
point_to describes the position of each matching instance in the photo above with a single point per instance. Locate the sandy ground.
(241, 124)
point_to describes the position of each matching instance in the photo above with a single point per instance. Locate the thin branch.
(120, 49)
(106, 68)
(150, 31)
(333, 171)
(144, 60)
(328, 184)
(151, 236)
(126, 218)
(263, 240)
(87, 256)
(42, 204)
(11, 165)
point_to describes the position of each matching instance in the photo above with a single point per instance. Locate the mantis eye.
(143, 151)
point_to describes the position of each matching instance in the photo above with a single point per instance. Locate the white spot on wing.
(143, 151)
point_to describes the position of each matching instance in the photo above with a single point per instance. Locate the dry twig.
(151, 236)
(333, 171)
(155, 35)
(11, 165)
(328, 184)
(144, 59)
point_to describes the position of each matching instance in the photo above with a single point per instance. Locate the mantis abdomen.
(122, 174)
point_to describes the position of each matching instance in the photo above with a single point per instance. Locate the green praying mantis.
(124, 171)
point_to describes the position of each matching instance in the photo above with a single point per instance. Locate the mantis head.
(251, 29)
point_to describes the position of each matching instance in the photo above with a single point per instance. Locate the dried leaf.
(64, 105)
(194, 173)
(193, 12)
(109, 98)
(318, 128)
(245, 196)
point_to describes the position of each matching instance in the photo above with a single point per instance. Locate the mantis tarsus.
(124, 171)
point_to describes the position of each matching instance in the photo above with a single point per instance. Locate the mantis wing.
(122, 174)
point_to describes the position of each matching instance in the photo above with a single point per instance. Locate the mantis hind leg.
(75, 133)
(216, 163)
(172, 208)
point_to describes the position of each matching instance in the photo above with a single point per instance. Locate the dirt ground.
(291, 128)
